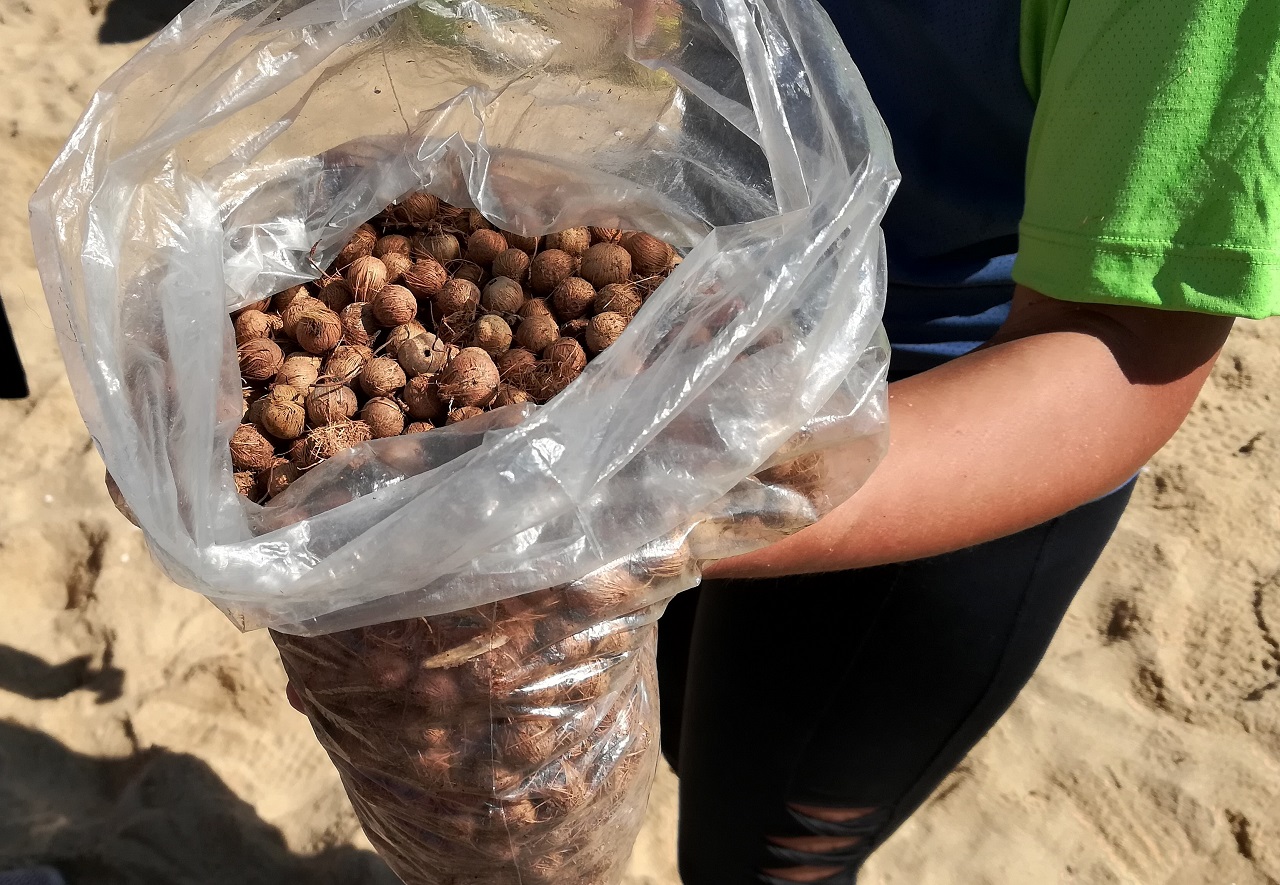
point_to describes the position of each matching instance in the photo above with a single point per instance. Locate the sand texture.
(144, 740)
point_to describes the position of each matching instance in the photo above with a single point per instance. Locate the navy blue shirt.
(946, 77)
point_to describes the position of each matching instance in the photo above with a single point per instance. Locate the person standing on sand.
(1090, 194)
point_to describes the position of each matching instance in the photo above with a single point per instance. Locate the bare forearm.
(992, 443)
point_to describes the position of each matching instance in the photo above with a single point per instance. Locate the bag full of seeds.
(449, 339)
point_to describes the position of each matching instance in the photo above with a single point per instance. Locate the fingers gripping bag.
(468, 616)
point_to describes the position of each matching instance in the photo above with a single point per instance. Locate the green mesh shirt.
(1153, 167)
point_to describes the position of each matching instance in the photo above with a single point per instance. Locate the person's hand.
(1065, 404)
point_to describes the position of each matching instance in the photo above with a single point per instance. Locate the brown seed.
(297, 307)
(549, 269)
(492, 334)
(250, 450)
(260, 359)
(536, 307)
(281, 300)
(526, 740)
(575, 240)
(566, 354)
(388, 669)
(418, 208)
(561, 791)
(325, 442)
(806, 474)
(510, 395)
(667, 557)
(425, 277)
(384, 417)
(250, 323)
(574, 328)
(422, 399)
(366, 276)
(502, 295)
(520, 814)
(389, 244)
(346, 361)
(605, 234)
(359, 325)
(318, 330)
(536, 332)
(359, 246)
(469, 271)
(382, 377)
(436, 768)
(471, 220)
(419, 427)
(621, 298)
(396, 264)
(437, 690)
(515, 365)
(572, 298)
(604, 329)
(605, 263)
(394, 306)
(423, 354)
(549, 379)
(300, 370)
(649, 255)
(485, 245)
(405, 332)
(248, 484)
(456, 296)
(528, 245)
(549, 868)
(331, 402)
(300, 454)
(335, 295)
(287, 393)
(283, 415)
(441, 248)
(253, 413)
(609, 591)
(459, 415)
(513, 263)
(455, 328)
(262, 306)
(617, 641)
(278, 476)
(648, 285)
(470, 379)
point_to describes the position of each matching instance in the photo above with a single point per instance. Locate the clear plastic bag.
(513, 742)
(235, 154)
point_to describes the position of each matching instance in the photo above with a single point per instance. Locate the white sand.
(1147, 750)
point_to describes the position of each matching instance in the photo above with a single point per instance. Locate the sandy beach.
(143, 739)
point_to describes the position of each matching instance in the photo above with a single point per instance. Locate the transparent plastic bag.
(513, 742)
(235, 154)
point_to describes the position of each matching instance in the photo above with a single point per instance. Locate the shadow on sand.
(152, 818)
(130, 20)
(32, 677)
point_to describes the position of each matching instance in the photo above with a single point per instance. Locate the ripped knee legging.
(808, 717)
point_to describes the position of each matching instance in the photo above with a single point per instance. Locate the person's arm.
(1063, 405)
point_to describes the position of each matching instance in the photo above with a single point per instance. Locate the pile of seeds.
(506, 744)
(429, 316)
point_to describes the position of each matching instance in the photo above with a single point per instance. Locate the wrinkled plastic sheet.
(234, 155)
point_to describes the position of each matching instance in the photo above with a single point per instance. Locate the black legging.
(859, 689)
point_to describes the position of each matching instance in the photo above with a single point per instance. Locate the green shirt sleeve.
(1153, 172)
